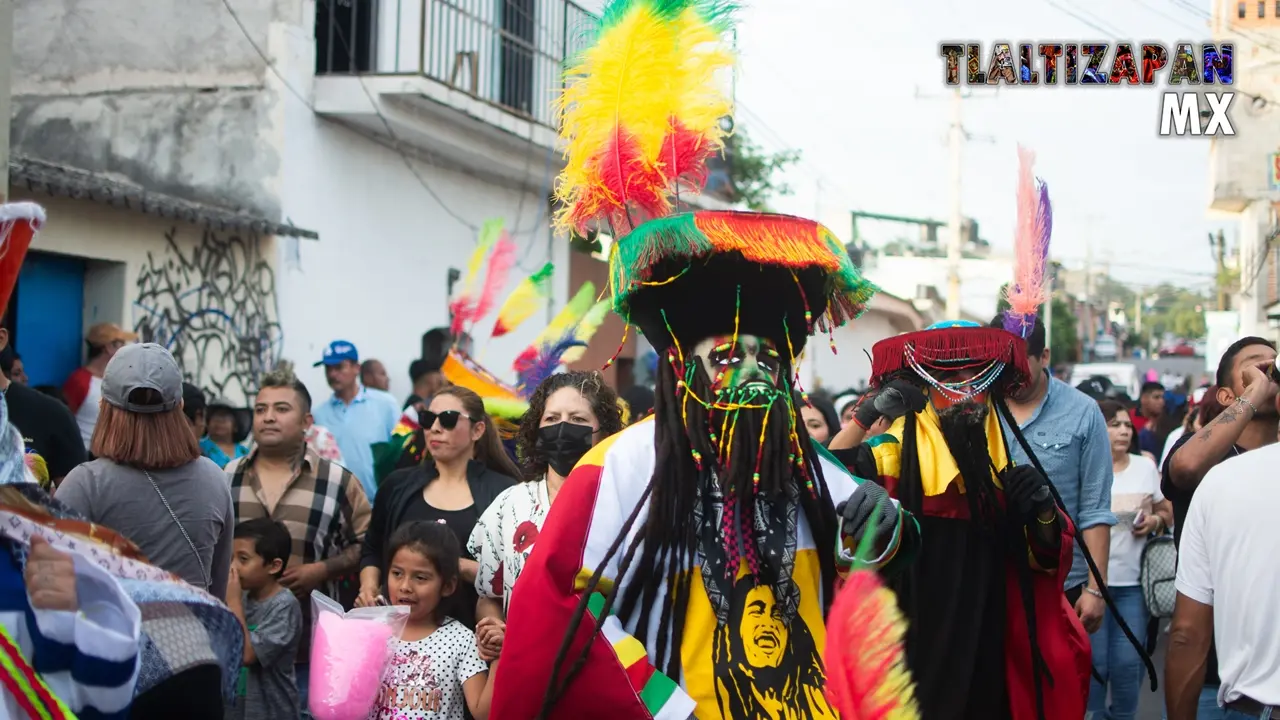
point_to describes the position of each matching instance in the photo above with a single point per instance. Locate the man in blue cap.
(357, 417)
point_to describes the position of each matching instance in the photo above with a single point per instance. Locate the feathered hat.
(641, 115)
(998, 354)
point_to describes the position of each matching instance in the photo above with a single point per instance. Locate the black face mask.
(563, 445)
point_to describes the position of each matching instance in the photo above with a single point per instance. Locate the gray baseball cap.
(142, 366)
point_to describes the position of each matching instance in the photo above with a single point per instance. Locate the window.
(1240, 10)
(1262, 8)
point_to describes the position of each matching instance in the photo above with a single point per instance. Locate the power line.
(1118, 36)
(397, 146)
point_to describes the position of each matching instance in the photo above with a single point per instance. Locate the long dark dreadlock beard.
(667, 544)
(964, 429)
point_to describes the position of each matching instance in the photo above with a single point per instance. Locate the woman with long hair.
(820, 418)
(465, 469)
(1142, 511)
(568, 414)
(149, 480)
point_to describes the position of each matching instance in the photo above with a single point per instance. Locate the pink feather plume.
(495, 279)
(468, 310)
(1031, 249)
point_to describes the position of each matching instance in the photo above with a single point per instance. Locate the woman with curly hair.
(568, 414)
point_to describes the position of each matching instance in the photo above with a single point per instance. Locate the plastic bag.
(349, 653)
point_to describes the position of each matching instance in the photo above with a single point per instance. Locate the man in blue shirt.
(1065, 429)
(358, 418)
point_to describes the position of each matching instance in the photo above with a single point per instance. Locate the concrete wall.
(981, 279)
(850, 366)
(207, 296)
(168, 95)
(377, 276)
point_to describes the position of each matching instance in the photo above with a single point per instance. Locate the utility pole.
(1089, 325)
(6, 63)
(1219, 246)
(956, 137)
(955, 241)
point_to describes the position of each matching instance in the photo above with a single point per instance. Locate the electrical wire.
(1117, 36)
(397, 145)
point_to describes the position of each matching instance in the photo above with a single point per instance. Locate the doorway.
(45, 317)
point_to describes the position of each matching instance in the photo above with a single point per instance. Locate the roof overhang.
(39, 176)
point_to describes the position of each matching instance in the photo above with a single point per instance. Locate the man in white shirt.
(1229, 590)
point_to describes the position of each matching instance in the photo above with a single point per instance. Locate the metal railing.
(509, 53)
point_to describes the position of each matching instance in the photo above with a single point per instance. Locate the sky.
(857, 87)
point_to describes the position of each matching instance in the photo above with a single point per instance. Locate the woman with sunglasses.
(568, 414)
(465, 469)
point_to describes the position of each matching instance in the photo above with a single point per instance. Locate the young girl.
(436, 666)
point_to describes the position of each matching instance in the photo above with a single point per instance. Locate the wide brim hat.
(949, 346)
(693, 275)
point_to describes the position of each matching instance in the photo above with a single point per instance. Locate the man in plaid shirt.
(321, 503)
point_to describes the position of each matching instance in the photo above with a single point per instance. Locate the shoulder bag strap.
(207, 582)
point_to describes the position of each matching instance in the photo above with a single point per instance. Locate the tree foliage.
(1064, 343)
(1168, 309)
(753, 172)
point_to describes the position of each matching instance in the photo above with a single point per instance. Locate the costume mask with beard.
(732, 457)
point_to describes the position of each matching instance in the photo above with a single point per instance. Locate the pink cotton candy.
(348, 657)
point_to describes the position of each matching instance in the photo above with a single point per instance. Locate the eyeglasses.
(448, 419)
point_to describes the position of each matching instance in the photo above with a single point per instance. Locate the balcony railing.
(509, 53)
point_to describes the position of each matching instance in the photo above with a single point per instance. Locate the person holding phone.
(1142, 511)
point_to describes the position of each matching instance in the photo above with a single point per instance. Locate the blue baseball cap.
(337, 351)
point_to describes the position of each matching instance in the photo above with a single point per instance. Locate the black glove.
(891, 401)
(1026, 492)
(870, 503)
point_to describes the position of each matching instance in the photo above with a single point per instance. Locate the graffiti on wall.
(213, 305)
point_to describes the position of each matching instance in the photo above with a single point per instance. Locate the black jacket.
(400, 486)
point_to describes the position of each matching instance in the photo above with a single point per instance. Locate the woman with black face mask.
(568, 414)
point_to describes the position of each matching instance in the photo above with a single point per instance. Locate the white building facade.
(1244, 169)
(304, 181)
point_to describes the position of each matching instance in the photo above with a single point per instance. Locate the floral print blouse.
(504, 537)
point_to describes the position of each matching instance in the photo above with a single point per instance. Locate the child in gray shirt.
(272, 621)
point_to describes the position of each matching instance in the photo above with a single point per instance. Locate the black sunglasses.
(448, 419)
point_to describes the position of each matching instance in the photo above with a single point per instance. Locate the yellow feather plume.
(642, 109)
(489, 234)
(587, 327)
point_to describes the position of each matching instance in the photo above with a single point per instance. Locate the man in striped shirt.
(320, 502)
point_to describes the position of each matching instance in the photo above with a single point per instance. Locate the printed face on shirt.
(413, 581)
(254, 572)
(451, 443)
(1120, 430)
(739, 361)
(764, 635)
(279, 418)
(815, 423)
(765, 666)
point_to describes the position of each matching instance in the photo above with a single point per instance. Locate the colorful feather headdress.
(1029, 289)
(560, 343)
(641, 115)
(496, 252)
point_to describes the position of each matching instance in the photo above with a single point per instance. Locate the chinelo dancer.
(688, 562)
(990, 632)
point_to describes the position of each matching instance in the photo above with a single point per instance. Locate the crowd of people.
(968, 538)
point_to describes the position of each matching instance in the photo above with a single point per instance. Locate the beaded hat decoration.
(641, 115)
(998, 356)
